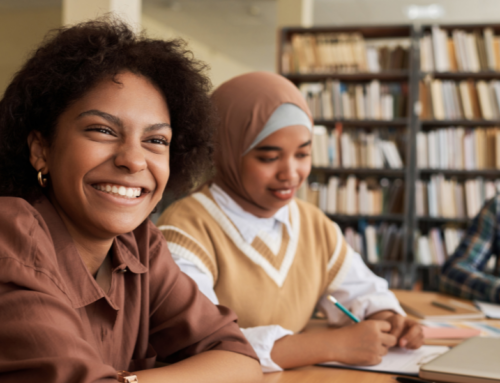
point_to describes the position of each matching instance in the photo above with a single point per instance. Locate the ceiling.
(246, 29)
(342, 12)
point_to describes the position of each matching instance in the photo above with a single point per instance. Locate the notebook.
(473, 361)
(399, 360)
(491, 310)
(421, 305)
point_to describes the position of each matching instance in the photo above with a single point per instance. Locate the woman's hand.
(364, 343)
(408, 331)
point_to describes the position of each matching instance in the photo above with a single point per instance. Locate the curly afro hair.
(73, 60)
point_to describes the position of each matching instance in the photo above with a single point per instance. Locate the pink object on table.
(449, 333)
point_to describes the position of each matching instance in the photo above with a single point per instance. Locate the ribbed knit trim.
(185, 246)
(275, 259)
(278, 275)
(337, 274)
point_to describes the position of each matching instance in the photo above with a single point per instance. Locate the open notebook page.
(399, 360)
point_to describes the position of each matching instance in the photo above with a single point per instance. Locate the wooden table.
(316, 374)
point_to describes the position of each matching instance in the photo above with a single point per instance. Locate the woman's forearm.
(301, 350)
(210, 366)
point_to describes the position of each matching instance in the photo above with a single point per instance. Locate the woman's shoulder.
(17, 216)
(311, 212)
(193, 209)
(27, 253)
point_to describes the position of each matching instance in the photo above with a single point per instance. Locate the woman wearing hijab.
(251, 246)
(91, 129)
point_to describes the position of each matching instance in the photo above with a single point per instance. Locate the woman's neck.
(92, 250)
(246, 205)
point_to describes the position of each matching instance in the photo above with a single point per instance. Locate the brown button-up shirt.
(58, 326)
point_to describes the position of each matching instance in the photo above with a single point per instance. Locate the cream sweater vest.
(261, 287)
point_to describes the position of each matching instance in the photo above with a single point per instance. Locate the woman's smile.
(109, 163)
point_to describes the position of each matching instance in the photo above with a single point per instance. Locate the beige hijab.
(244, 105)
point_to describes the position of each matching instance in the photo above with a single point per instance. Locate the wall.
(222, 67)
(21, 31)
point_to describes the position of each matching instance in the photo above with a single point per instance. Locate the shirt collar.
(248, 224)
(82, 287)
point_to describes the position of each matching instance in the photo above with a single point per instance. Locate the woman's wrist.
(126, 377)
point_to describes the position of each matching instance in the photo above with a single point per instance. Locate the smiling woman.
(250, 245)
(91, 129)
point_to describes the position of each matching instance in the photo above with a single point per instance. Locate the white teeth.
(284, 191)
(120, 190)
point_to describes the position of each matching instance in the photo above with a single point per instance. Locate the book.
(458, 50)
(306, 53)
(421, 307)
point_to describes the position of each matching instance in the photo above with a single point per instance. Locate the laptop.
(476, 360)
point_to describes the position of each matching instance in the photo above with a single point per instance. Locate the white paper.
(400, 360)
(491, 310)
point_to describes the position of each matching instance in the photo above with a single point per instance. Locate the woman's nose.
(287, 171)
(131, 157)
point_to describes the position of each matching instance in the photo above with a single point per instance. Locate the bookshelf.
(394, 126)
(484, 176)
(487, 172)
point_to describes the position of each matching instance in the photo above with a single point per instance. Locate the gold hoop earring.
(42, 181)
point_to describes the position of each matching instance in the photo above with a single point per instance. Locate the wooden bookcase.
(404, 125)
(429, 275)
(408, 267)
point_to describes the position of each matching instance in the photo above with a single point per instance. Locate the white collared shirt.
(362, 292)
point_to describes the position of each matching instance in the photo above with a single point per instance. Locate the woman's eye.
(302, 155)
(102, 129)
(159, 141)
(267, 160)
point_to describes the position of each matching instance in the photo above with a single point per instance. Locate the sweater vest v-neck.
(263, 288)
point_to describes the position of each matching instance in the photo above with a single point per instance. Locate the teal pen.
(343, 309)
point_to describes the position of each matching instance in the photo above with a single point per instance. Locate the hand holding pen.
(408, 332)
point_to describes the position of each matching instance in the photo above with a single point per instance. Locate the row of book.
(450, 198)
(342, 53)
(369, 101)
(354, 196)
(383, 242)
(435, 247)
(459, 148)
(355, 149)
(454, 100)
(460, 51)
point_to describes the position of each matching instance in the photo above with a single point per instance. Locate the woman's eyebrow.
(305, 144)
(109, 117)
(268, 148)
(158, 126)
(117, 121)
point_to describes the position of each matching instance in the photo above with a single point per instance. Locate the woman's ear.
(39, 151)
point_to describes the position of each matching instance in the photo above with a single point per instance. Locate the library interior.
(403, 102)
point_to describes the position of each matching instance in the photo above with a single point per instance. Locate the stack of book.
(356, 149)
(452, 100)
(432, 250)
(342, 53)
(449, 198)
(383, 242)
(355, 240)
(459, 148)
(354, 196)
(368, 101)
(459, 52)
